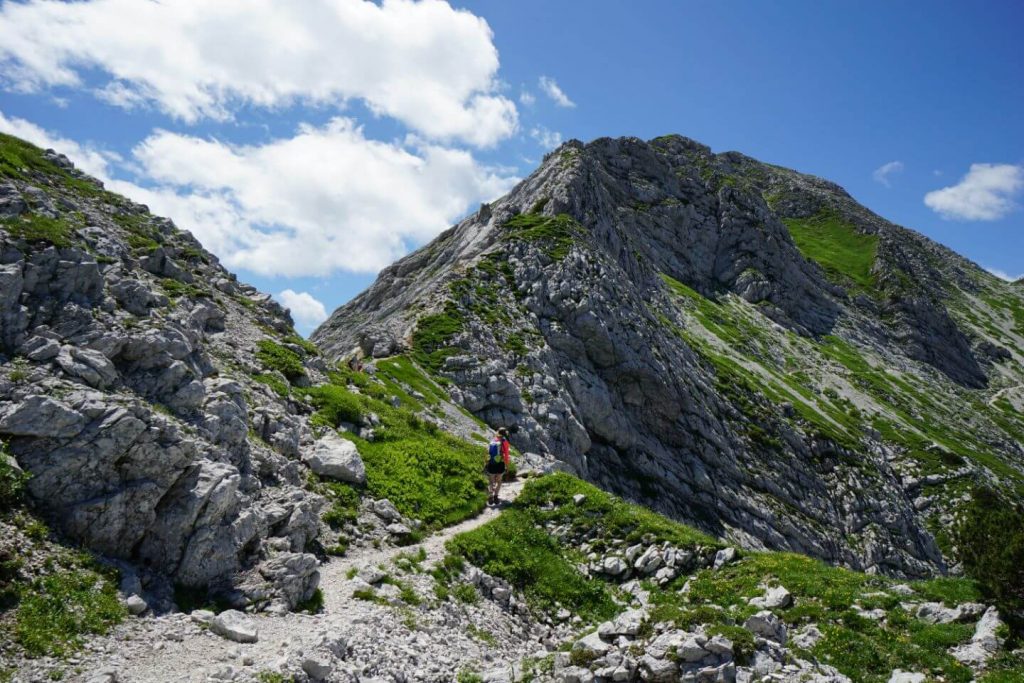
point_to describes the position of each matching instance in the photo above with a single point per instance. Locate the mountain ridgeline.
(728, 342)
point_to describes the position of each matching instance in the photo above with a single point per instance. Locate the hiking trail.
(430, 644)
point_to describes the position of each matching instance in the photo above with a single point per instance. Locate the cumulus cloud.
(883, 172)
(306, 309)
(326, 200)
(985, 194)
(323, 201)
(550, 88)
(426, 64)
(94, 161)
(548, 139)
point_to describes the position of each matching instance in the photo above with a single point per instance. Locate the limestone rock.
(234, 625)
(337, 458)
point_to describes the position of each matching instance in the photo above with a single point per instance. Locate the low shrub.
(280, 358)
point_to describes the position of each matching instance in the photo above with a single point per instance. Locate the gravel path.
(386, 642)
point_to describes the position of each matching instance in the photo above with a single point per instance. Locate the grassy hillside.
(868, 623)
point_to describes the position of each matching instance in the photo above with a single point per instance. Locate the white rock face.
(236, 626)
(899, 676)
(985, 642)
(774, 598)
(337, 458)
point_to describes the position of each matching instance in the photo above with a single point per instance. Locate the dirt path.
(429, 643)
(1002, 392)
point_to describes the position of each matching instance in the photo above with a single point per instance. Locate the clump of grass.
(35, 228)
(175, 289)
(846, 255)
(280, 358)
(314, 604)
(306, 345)
(558, 233)
(466, 593)
(550, 498)
(431, 340)
(61, 609)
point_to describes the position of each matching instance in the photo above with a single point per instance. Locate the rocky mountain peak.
(718, 338)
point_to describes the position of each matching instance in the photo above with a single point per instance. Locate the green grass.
(35, 228)
(344, 500)
(275, 383)
(60, 610)
(845, 255)
(516, 547)
(427, 473)
(865, 650)
(431, 340)
(22, 160)
(280, 358)
(615, 517)
(313, 605)
(400, 371)
(513, 548)
(309, 347)
(175, 289)
(558, 233)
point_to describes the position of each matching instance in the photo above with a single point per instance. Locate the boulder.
(774, 598)
(900, 676)
(234, 625)
(337, 458)
(724, 557)
(766, 625)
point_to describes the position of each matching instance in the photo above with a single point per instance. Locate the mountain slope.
(732, 343)
(141, 392)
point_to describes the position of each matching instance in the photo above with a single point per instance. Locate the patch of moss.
(277, 357)
(431, 340)
(557, 233)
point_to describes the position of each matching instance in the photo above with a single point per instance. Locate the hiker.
(497, 464)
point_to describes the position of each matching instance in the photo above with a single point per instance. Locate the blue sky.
(308, 144)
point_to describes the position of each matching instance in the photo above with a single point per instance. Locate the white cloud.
(527, 98)
(557, 95)
(883, 172)
(426, 64)
(548, 139)
(306, 309)
(93, 161)
(325, 200)
(1003, 275)
(985, 194)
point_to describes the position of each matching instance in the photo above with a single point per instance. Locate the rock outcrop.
(133, 393)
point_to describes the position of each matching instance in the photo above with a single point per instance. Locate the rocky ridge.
(135, 391)
(731, 343)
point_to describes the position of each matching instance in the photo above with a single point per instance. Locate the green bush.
(277, 357)
(335, 404)
(275, 383)
(59, 610)
(990, 539)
